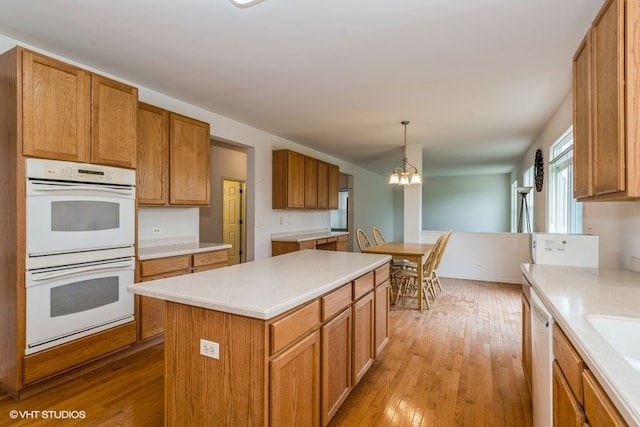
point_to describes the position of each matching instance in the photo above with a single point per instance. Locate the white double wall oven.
(80, 235)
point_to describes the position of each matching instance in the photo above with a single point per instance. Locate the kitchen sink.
(623, 333)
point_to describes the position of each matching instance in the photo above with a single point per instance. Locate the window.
(525, 220)
(514, 206)
(565, 213)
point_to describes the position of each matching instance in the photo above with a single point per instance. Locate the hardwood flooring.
(456, 364)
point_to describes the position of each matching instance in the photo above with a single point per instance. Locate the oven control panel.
(78, 172)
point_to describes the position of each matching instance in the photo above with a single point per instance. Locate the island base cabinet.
(336, 364)
(295, 384)
(200, 390)
(363, 330)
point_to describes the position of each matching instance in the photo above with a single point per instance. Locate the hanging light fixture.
(406, 174)
(245, 3)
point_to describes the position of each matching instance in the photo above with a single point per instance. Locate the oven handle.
(46, 188)
(39, 277)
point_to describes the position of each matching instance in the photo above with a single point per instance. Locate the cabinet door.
(114, 108)
(295, 180)
(567, 411)
(336, 364)
(582, 123)
(334, 184)
(188, 161)
(598, 408)
(294, 393)
(363, 321)
(55, 111)
(323, 185)
(609, 155)
(381, 317)
(526, 340)
(153, 155)
(151, 310)
(310, 183)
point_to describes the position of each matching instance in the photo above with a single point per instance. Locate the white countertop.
(162, 251)
(265, 288)
(571, 294)
(308, 236)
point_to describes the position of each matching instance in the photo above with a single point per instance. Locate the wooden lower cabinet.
(567, 411)
(578, 398)
(294, 387)
(363, 332)
(150, 311)
(336, 363)
(333, 243)
(381, 303)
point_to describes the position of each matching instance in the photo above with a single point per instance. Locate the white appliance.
(80, 250)
(578, 250)
(541, 362)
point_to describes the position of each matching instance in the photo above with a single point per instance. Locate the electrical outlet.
(157, 230)
(210, 349)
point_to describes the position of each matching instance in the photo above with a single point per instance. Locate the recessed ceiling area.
(477, 79)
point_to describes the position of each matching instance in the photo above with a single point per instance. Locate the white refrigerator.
(577, 250)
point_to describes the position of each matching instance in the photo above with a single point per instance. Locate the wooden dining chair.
(443, 245)
(377, 236)
(362, 239)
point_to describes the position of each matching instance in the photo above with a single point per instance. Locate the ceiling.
(477, 79)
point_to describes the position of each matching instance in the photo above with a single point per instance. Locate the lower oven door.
(70, 302)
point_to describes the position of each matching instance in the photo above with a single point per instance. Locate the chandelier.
(406, 174)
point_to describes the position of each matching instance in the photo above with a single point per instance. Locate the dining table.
(414, 252)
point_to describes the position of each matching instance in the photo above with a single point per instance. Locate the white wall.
(616, 223)
(225, 164)
(467, 203)
(493, 257)
(372, 203)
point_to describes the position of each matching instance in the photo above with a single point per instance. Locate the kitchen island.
(251, 344)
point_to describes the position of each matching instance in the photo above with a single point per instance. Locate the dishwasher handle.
(540, 316)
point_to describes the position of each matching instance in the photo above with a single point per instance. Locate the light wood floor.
(456, 364)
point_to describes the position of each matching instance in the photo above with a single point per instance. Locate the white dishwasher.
(542, 359)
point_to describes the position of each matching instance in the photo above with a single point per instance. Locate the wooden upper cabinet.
(113, 118)
(55, 110)
(607, 105)
(153, 155)
(302, 182)
(334, 186)
(608, 99)
(582, 123)
(189, 161)
(310, 182)
(323, 185)
(288, 180)
(74, 115)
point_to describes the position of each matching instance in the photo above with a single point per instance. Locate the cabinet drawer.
(286, 330)
(362, 285)
(307, 244)
(343, 239)
(597, 406)
(569, 360)
(164, 265)
(321, 241)
(209, 258)
(382, 274)
(336, 301)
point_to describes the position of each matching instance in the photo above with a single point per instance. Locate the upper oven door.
(70, 217)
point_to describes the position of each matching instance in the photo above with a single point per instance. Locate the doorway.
(234, 219)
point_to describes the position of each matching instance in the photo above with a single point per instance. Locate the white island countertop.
(267, 287)
(573, 293)
(162, 251)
